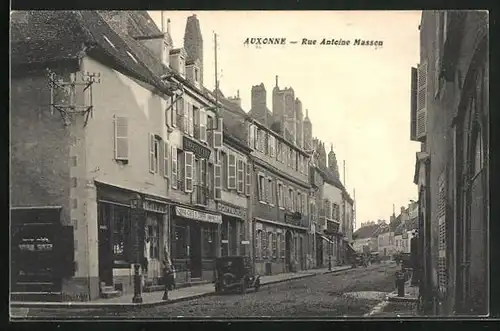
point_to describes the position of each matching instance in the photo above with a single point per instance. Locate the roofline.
(234, 142)
(149, 37)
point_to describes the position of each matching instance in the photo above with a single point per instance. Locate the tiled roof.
(62, 35)
(330, 177)
(366, 231)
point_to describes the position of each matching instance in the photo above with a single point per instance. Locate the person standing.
(168, 274)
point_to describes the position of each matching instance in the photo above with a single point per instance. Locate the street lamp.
(137, 219)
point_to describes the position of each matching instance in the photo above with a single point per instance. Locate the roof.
(234, 116)
(366, 231)
(52, 36)
(329, 177)
(409, 225)
(394, 224)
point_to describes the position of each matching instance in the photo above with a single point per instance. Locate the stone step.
(110, 294)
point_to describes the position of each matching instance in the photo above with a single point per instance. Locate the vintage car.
(235, 273)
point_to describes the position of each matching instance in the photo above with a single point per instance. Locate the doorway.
(104, 245)
(195, 250)
(288, 251)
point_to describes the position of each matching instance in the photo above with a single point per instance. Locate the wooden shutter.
(203, 125)
(180, 113)
(441, 214)
(248, 182)
(152, 153)
(188, 171)
(121, 138)
(185, 112)
(218, 133)
(173, 112)
(166, 152)
(217, 181)
(241, 177)
(190, 110)
(421, 112)
(251, 136)
(174, 177)
(413, 104)
(231, 172)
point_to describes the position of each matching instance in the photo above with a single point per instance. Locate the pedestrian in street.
(168, 274)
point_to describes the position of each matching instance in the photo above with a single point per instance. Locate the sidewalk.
(187, 293)
(394, 306)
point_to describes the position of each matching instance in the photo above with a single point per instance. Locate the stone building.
(450, 119)
(144, 138)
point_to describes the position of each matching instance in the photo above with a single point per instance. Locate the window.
(265, 244)
(209, 246)
(218, 133)
(166, 152)
(241, 176)
(186, 114)
(153, 236)
(291, 199)
(262, 188)
(248, 182)
(121, 138)
(192, 114)
(258, 244)
(274, 252)
(281, 203)
(299, 201)
(231, 172)
(179, 112)
(121, 230)
(174, 167)
(217, 181)
(272, 146)
(196, 122)
(210, 132)
(281, 243)
(188, 171)
(270, 196)
(203, 125)
(154, 153)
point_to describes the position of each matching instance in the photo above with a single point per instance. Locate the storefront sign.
(154, 207)
(233, 211)
(198, 215)
(198, 149)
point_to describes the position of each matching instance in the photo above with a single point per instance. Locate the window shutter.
(180, 113)
(218, 133)
(231, 172)
(413, 104)
(422, 101)
(121, 138)
(166, 152)
(173, 112)
(251, 136)
(203, 125)
(185, 112)
(174, 178)
(190, 110)
(248, 182)
(152, 153)
(241, 176)
(188, 172)
(441, 212)
(256, 137)
(217, 181)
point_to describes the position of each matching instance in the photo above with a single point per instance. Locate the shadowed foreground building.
(450, 118)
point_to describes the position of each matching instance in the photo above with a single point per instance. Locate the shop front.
(278, 248)
(233, 235)
(117, 238)
(194, 237)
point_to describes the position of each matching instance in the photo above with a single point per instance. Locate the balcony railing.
(297, 219)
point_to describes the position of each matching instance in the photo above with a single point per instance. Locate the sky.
(358, 97)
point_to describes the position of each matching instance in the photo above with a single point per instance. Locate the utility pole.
(355, 207)
(216, 79)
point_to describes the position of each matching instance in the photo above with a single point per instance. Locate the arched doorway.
(472, 202)
(288, 250)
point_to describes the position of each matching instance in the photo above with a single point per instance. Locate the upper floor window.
(121, 141)
(281, 196)
(262, 187)
(154, 153)
(270, 198)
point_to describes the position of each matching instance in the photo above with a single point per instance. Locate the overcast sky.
(358, 97)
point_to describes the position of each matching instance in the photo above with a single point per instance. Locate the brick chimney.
(193, 42)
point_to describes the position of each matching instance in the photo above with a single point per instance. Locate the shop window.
(209, 244)
(121, 231)
(179, 247)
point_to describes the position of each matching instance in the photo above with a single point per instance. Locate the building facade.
(146, 138)
(450, 117)
(281, 193)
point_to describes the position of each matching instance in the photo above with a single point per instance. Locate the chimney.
(258, 102)
(276, 80)
(193, 42)
(403, 209)
(236, 99)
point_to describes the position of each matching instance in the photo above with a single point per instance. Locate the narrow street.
(350, 293)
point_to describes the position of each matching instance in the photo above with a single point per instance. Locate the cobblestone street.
(350, 293)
